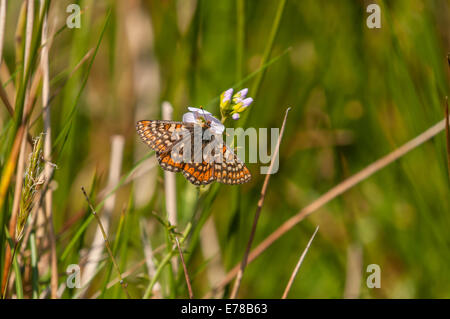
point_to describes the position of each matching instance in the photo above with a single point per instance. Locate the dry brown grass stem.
(29, 101)
(186, 274)
(5, 100)
(48, 200)
(297, 267)
(108, 246)
(21, 159)
(333, 193)
(3, 95)
(354, 271)
(447, 134)
(240, 274)
(10, 109)
(83, 60)
(169, 177)
(170, 189)
(2, 26)
(8, 275)
(211, 251)
(29, 33)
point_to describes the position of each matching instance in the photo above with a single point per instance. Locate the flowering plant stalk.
(31, 184)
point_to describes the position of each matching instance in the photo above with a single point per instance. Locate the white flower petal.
(189, 117)
(197, 110)
(196, 113)
(217, 128)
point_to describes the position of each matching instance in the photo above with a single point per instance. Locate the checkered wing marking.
(166, 162)
(199, 173)
(231, 170)
(161, 136)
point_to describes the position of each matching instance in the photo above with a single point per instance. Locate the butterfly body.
(174, 144)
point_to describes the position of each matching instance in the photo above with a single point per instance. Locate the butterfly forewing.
(161, 136)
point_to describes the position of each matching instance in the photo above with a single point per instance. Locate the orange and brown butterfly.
(164, 136)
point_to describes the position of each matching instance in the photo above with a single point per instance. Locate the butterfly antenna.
(203, 110)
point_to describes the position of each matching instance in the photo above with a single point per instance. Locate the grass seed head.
(32, 182)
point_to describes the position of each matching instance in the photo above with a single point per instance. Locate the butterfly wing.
(231, 170)
(199, 173)
(166, 162)
(161, 136)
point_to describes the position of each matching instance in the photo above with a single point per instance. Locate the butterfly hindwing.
(231, 170)
(166, 162)
(199, 173)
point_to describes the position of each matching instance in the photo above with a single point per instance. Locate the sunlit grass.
(356, 94)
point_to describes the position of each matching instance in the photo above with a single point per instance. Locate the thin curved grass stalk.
(129, 272)
(164, 262)
(299, 263)
(240, 37)
(126, 178)
(34, 267)
(240, 274)
(108, 247)
(14, 247)
(68, 121)
(266, 54)
(125, 274)
(117, 240)
(240, 83)
(186, 274)
(97, 246)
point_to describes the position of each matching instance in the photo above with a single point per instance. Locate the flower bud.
(241, 106)
(239, 96)
(225, 98)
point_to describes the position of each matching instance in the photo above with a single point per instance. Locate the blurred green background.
(356, 94)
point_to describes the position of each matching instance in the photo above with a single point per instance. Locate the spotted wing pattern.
(231, 170)
(199, 173)
(159, 135)
(166, 162)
